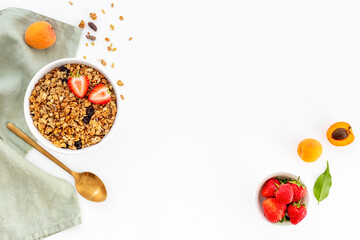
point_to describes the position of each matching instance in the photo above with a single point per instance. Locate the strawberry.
(78, 85)
(270, 187)
(298, 188)
(100, 95)
(284, 194)
(273, 210)
(296, 212)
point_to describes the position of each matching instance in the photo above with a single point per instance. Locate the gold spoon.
(87, 184)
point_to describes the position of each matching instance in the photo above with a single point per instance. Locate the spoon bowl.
(90, 186)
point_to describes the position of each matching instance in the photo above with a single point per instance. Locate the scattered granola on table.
(102, 10)
(112, 27)
(121, 18)
(112, 65)
(120, 83)
(107, 39)
(103, 62)
(92, 44)
(82, 24)
(130, 38)
(65, 119)
(93, 16)
(71, 3)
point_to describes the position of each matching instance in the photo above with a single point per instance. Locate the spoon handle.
(31, 142)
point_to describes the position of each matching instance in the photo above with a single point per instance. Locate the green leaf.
(322, 185)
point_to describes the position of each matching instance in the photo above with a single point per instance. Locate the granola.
(66, 120)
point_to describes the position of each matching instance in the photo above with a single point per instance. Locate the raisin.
(92, 26)
(90, 37)
(78, 144)
(86, 119)
(64, 69)
(90, 111)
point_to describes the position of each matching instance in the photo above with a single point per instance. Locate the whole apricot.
(309, 150)
(340, 134)
(40, 35)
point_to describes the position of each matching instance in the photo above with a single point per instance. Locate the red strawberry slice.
(100, 95)
(79, 85)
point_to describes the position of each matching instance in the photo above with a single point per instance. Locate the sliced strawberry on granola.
(79, 85)
(100, 95)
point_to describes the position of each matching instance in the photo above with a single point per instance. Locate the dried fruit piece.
(78, 144)
(107, 39)
(92, 26)
(112, 27)
(82, 24)
(309, 150)
(90, 111)
(92, 44)
(91, 37)
(112, 5)
(121, 18)
(340, 134)
(86, 119)
(114, 49)
(87, 44)
(130, 38)
(93, 16)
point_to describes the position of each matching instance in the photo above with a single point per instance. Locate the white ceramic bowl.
(40, 74)
(259, 199)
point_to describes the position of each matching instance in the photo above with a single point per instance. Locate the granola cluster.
(66, 120)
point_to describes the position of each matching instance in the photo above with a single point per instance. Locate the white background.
(217, 96)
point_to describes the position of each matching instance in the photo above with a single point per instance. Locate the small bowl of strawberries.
(283, 198)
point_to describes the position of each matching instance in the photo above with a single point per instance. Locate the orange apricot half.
(309, 150)
(340, 134)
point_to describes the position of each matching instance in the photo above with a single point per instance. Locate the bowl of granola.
(70, 106)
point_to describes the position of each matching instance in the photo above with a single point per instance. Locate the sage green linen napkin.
(33, 204)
